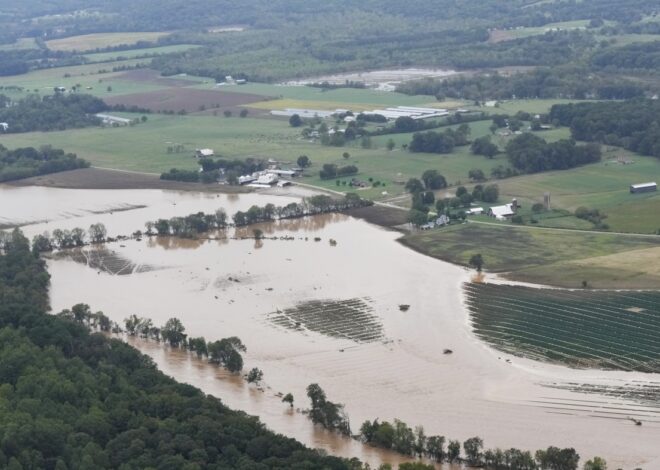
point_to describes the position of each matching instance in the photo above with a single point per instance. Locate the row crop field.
(584, 329)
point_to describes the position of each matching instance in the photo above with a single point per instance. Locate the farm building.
(305, 113)
(475, 211)
(110, 120)
(502, 212)
(204, 153)
(408, 111)
(643, 187)
(4, 126)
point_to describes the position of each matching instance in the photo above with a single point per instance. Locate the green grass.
(603, 186)
(134, 53)
(532, 106)
(544, 256)
(96, 76)
(584, 329)
(539, 30)
(20, 45)
(341, 95)
(88, 42)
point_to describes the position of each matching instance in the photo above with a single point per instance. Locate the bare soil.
(99, 178)
(387, 217)
(184, 99)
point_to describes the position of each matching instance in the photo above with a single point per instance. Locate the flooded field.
(312, 311)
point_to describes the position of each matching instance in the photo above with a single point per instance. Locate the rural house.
(204, 153)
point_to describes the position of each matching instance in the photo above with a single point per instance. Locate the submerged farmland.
(584, 329)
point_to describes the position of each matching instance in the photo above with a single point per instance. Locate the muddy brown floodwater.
(310, 311)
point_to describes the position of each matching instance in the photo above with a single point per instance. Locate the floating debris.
(404, 307)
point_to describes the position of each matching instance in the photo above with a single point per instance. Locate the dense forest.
(529, 153)
(26, 162)
(287, 39)
(633, 125)
(52, 112)
(74, 399)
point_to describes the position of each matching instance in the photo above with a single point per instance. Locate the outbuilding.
(204, 153)
(643, 187)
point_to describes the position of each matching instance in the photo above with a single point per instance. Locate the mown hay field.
(583, 329)
(87, 42)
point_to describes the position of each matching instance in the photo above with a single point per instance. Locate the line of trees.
(225, 352)
(401, 438)
(194, 224)
(52, 112)
(26, 162)
(330, 171)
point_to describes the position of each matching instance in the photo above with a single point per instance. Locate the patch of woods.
(633, 125)
(216, 169)
(73, 398)
(529, 153)
(194, 224)
(26, 162)
(51, 112)
(423, 197)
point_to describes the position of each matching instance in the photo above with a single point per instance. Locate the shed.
(204, 153)
(643, 187)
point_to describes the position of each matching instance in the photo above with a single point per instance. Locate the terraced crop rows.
(351, 319)
(586, 329)
(107, 261)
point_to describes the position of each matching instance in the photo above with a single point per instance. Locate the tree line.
(440, 142)
(214, 169)
(401, 438)
(52, 112)
(633, 124)
(26, 162)
(194, 224)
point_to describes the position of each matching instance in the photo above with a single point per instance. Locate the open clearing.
(88, 42)
(186, 99)
(135, 53)
(543, 256)
(586, 329)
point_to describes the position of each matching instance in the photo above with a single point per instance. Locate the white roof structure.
(204, 152)
(476, 211)
(268, 178)
(306, 113)
(108, 119)
(409, 111)
(502, 212)
(644, 185)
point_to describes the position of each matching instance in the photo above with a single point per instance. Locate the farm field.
(603, 186)
(88, 42)
(545, 256)
(19, 45)
(584, 329)
(136, 53)
(518, 33)
(95, 76)
(341, 95)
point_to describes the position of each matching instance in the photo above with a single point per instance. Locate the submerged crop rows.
(586, 329)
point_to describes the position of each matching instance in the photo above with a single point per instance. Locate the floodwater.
(312, 311)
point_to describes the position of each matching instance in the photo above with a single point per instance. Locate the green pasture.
(541, 255)
(135, 53)
(97, 76)
(603, 186)
(20, 45)
(341, 95)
